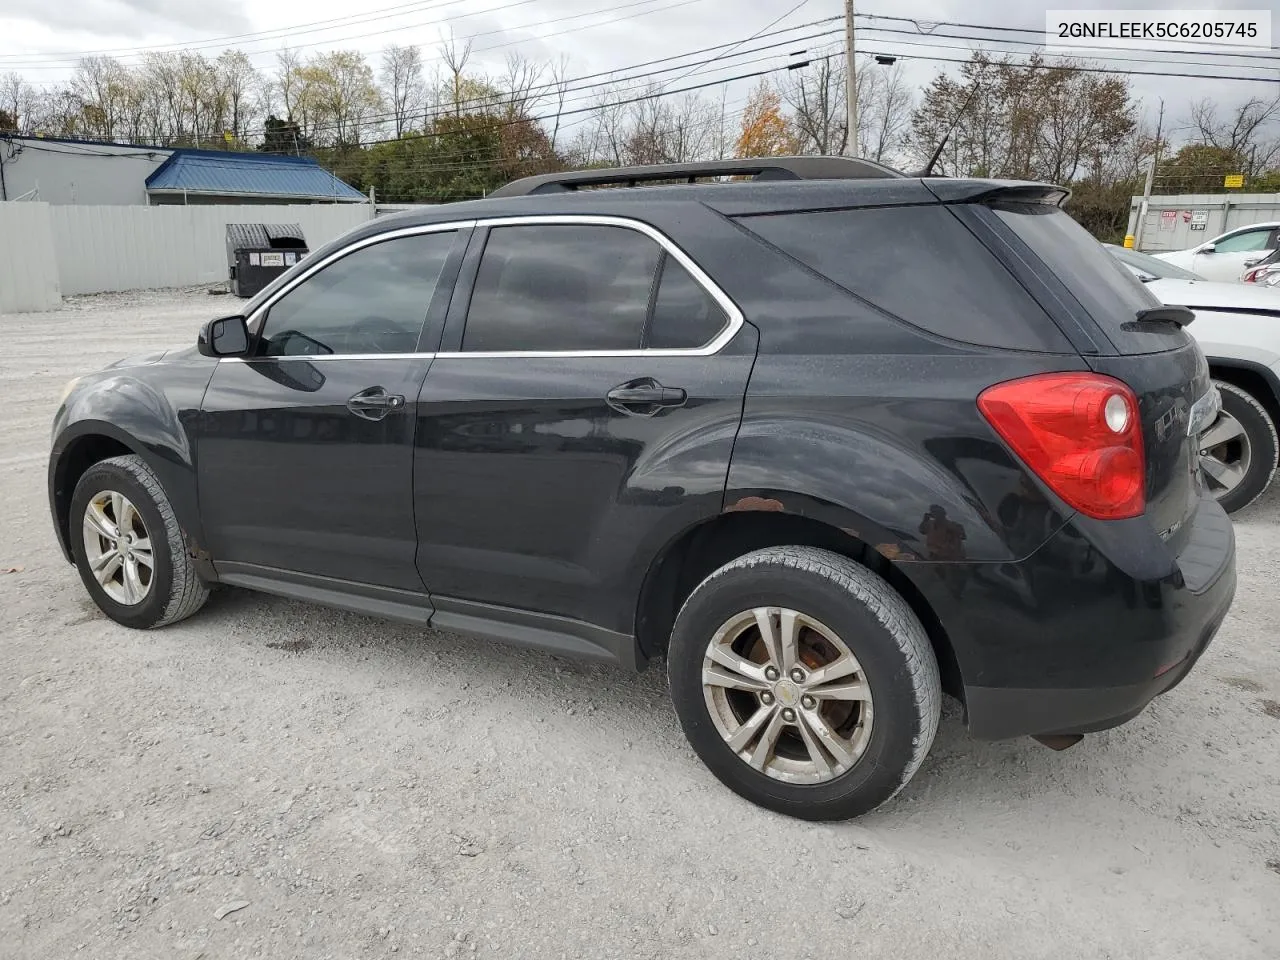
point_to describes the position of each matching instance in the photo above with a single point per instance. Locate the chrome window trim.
(321, 357)
(713, 346)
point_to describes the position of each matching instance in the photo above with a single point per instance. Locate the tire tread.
(188, 592)
(886, 605)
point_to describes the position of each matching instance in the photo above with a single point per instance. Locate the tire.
(878, 629)
(173, 590)
(1261, 453)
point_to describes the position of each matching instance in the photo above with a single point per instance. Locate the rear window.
(920, 264)
(1109, 293)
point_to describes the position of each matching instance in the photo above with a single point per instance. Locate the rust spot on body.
(756, 504)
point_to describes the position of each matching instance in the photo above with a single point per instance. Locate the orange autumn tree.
(766, 131)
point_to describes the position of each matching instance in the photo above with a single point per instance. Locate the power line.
(294, 30)
(995, 28)
(767, 26)
(611, 79)
(1106, 58)
(484, 33)
(1079, 69)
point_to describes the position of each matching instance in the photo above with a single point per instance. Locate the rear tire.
(117, 508)
(1240, 468)
(883, 714)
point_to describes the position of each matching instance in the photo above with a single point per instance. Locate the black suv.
(828, 439)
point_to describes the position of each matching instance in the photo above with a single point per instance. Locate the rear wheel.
(1240, 450)
(804, 682)
(129, 548)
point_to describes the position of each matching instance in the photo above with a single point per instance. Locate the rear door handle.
(645, 396)
(374, 403)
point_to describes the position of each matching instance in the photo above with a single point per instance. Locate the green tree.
(1198, 168)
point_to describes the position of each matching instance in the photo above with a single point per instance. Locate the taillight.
(1251, 276)
(1080, 434)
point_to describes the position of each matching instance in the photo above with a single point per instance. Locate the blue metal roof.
(248, 174)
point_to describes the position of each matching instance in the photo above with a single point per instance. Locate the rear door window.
(1110, 294)
(920, 264)
(561, 287)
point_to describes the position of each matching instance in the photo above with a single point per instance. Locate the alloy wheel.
(787, 695)
(117, 548)
(1225, 454)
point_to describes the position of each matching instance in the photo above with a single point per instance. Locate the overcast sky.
(42, 37)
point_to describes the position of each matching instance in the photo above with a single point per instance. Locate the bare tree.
(559, 87)
(816, 95)
(98, 86)
(239, 83)
(884, 106)
(18, 101)
(402, 78)
(1248, 132)
(455, 59)
(519, 83)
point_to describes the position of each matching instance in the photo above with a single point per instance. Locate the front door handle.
(374, 403)
(645, 396)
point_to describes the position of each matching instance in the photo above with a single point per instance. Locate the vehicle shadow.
(607, 705)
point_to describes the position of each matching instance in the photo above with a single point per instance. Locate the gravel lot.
(366, 789)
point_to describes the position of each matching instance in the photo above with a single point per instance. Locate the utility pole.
(1134, 241)
(851, 81)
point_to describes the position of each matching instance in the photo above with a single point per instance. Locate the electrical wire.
(995, 28)
(1056, 56)
(484, 33)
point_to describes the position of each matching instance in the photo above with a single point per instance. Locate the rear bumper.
(1085, 633)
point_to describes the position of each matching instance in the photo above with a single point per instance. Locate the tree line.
(427, 131)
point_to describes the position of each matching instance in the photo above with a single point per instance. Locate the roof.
(73, 145)
(742, 198)
(224, 173)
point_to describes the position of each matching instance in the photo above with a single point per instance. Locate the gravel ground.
(364, 789)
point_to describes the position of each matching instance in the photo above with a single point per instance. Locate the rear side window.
(557, 287)
(920, 264)
(684, 314)
(1109, 293)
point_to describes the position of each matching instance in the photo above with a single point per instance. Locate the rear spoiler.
(993, 191)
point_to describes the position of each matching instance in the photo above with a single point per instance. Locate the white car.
(1226, 258)
(1238, 327)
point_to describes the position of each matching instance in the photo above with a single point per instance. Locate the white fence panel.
(28, 269)
(131, 248)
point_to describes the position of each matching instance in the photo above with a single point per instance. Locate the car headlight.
(66, 391)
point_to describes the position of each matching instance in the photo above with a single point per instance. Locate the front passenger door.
(305, 458)
(1227, 261)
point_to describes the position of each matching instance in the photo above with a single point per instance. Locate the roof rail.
(758, 168)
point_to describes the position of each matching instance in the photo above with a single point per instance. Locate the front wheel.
(1239, 451)
(804, 682)
(129, 548)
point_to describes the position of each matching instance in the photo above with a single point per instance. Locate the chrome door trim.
(735, 322)
(730, 330)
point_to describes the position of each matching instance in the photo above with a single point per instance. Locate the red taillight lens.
(1079, 433)
(1251, 276)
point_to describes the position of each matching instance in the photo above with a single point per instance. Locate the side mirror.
(224, 337)
(1208, 248)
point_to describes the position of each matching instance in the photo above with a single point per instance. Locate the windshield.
(1153, 266)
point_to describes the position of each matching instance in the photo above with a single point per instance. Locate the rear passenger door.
(580, 413)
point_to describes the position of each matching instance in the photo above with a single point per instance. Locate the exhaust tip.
(1059, 741)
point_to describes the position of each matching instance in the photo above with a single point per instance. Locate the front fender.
(149, 410)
